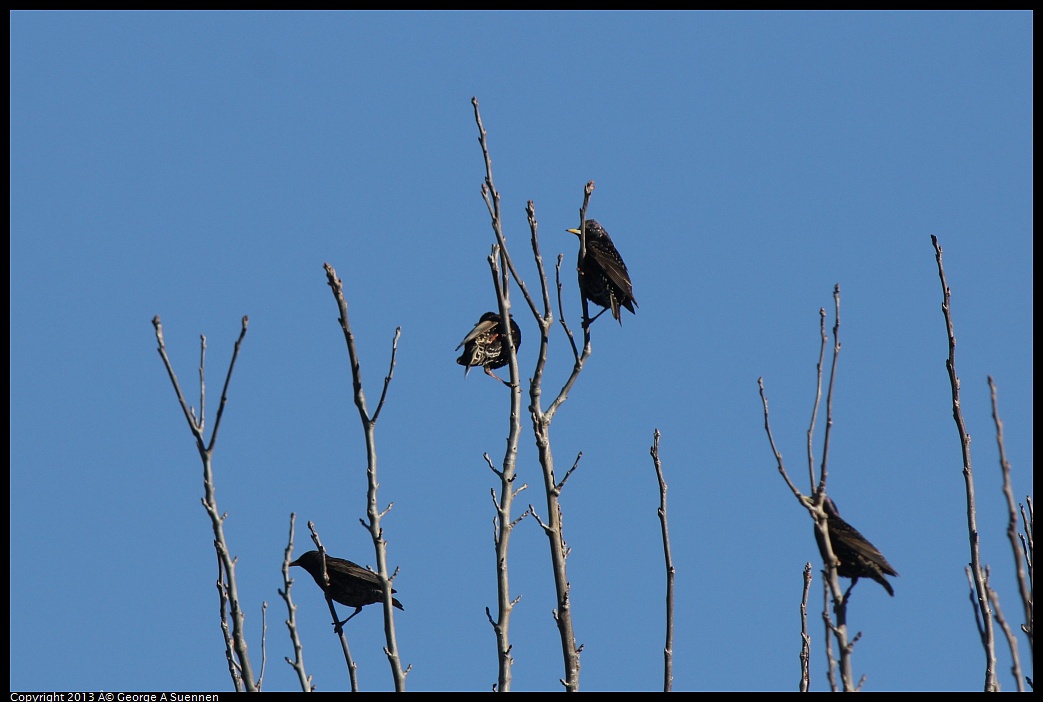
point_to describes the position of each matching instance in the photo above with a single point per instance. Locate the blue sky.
(203, 167)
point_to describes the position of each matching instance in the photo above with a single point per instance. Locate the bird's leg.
(489, 372)
(339, 626)
(847, 593)
(591, 320)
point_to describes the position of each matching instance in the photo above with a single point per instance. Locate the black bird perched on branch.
(603, 277)
(485, 347)
(857, 557)
(350, 584)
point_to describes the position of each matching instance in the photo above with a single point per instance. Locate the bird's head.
(310, 561)
(594, 230)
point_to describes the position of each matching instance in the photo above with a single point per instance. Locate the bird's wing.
(480, 328)
(346, 567)
(614, 269)
(861, 545)
(357, 571)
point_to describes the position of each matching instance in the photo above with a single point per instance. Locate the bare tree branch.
(503, 522)
(668, 648)
(818, 398)
(264, 648)
(984, 610)
(1024, 586)
(805, 638)
(824, 471)
(814, 504)
(291, 613)
(226, 632)
(541, 424)
(338, 627)
(492, 201)
(374, 514)
(1008, 633)
(227, 586)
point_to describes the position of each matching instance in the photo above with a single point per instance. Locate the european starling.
(603, 277)
(857, 557)
(484, 345)
(350, 584)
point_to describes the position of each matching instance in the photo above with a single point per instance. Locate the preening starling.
(603, 277)
(485, 347)
(857, 557)
(350, 584)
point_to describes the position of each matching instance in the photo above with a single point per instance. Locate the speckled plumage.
(603, 278)
(484, 346)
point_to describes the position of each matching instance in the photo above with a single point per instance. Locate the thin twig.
(504, 523)
(818, 398)
(540, 421)
(338, 629)
(837, 628)
(982, 599)
(291, 613)
(668, 648)
(226, 632)
(373, 513)
(228, 587)
(805, 637)
(264, 647)
(587, 191)
(1012, 640)
(500, 263)
(824, 470)
(1024, 587)
(492, 201)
